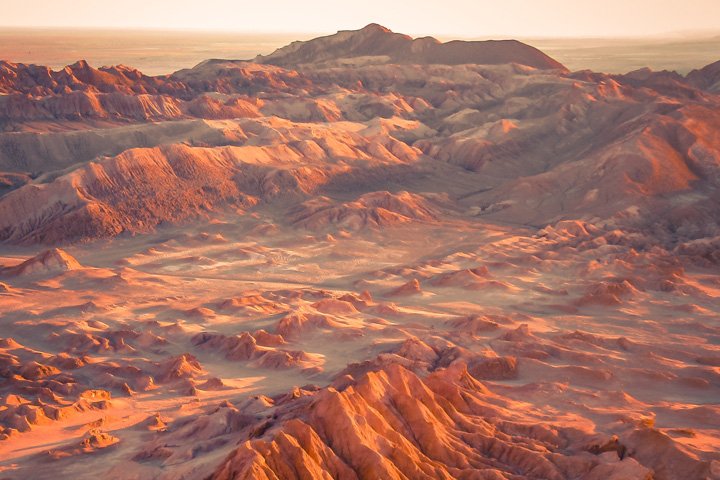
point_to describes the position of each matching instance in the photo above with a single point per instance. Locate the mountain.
(707, 78)
(377, 258)
(377, 44)
(503, 141)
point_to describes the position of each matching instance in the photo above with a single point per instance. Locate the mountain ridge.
(374, 40)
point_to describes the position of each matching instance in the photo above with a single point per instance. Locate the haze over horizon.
(458, 18)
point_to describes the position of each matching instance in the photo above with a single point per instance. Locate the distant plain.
(161, 52)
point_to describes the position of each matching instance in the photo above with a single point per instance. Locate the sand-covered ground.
(157, 331)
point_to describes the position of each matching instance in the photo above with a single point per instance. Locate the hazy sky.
(465, 18)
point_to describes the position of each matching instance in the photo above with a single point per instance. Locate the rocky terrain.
(362, 256)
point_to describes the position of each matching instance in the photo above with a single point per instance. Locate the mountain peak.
(50, 261)
(707, 78)
(375, 27)
(80, 65)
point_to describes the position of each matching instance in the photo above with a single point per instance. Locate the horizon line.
(674, 35)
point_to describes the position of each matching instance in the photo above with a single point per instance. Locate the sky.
(458, 18)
